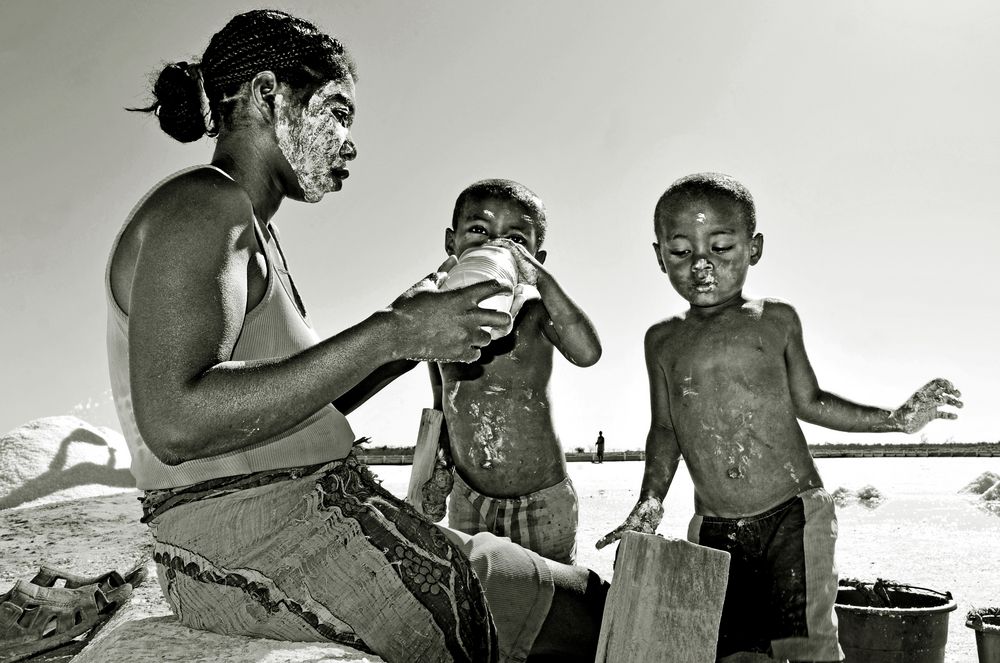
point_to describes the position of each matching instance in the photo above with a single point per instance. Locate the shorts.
(782, 578)
(544, 521)
(329, 555)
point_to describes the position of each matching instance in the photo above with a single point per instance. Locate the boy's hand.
(645, 518)
(528, 267)
(435, 492)
(446, 326)
(522, 293)
(922, 407)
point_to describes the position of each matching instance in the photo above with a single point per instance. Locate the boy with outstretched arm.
(509, 468)
(729, 379)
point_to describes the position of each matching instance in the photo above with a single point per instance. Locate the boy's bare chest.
(724, 355)
(515, 362)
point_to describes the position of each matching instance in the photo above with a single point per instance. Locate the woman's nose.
(349, 150)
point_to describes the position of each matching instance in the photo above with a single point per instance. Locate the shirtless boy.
(729, 379)
(510, 471)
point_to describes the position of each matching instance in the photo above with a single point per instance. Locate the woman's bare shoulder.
(198, 202)
(199, 216)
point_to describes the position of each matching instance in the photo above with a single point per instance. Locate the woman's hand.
(446, 326)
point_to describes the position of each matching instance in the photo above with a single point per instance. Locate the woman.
(264, 524)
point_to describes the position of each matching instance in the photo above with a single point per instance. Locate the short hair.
(701, 185)
(510, 190)
(296, 51)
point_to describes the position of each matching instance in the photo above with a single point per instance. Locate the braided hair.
(296, 51)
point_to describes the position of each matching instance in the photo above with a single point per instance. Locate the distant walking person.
(600, 446)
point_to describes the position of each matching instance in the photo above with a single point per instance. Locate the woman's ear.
(263, 89)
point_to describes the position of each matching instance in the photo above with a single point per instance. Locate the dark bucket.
(987, 638)
(913, 630)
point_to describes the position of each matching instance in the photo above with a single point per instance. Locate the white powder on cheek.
(310, 142)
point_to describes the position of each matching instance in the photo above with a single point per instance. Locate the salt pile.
(868, 496)
(63, 457)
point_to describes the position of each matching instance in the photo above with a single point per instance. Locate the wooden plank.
(424, 455)
(665, 601)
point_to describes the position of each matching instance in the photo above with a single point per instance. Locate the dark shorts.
(782, 579)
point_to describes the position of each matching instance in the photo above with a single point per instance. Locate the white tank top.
(273, 328)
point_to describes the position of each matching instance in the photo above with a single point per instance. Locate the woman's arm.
(375, 382)
(186, 308)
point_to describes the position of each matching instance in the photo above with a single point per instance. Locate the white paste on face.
(700, 217)
(311, 139)
(704, 276)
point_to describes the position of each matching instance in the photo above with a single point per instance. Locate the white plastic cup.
(485, 263)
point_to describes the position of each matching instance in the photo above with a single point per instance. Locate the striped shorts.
(782, 578)
(326, 554)
(544, 521)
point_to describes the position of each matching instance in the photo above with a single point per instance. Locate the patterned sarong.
(324, 553)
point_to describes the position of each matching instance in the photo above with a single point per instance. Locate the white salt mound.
(841, 496)
(61, 458)
(992, 495)
(870, 493)
(982, 484)
(868, 496)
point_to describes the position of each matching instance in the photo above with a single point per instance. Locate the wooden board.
(424, 455)
(665, 602)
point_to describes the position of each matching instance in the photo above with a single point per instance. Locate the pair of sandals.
(57, 606)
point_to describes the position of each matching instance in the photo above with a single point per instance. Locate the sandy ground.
(89, 531)
(89, 535)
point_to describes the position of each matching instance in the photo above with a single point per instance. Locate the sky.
(866, 131)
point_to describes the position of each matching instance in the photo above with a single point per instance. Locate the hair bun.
(178, 102)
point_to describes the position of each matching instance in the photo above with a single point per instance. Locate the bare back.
(498, 414)
(731, 407)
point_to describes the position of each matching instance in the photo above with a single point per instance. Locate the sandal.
(48, 576)
(35, 618)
